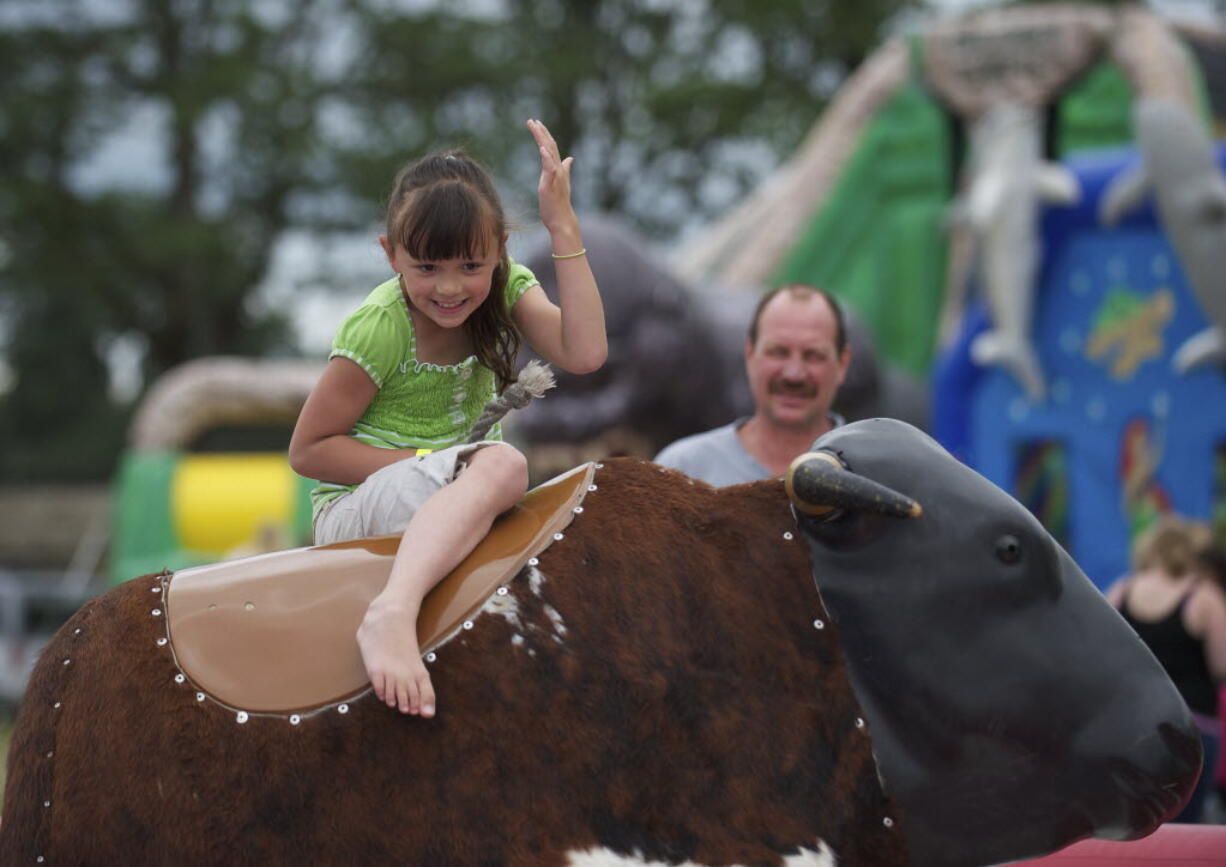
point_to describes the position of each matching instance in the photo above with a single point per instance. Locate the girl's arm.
(572, 337)
(321, 447)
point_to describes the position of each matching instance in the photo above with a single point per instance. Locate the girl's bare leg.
(441, 534)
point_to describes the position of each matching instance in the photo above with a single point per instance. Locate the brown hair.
(1171, 545)
(797, 291)
(445, 206)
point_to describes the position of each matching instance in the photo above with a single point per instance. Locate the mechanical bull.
(662, 684)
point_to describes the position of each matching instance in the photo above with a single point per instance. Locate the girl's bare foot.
(387, 639)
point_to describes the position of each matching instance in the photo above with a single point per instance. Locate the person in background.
(1179, 611)
(1212, 563)
(796, 356)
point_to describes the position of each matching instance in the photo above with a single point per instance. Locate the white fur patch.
(535, 579)
(504, 606)
(819, 857)
(556, 619)
(822, 856)
(508, 607)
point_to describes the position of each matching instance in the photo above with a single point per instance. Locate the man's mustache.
(793, 389)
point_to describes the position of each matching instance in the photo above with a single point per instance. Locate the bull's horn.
(817, 484)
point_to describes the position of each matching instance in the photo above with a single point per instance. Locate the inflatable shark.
(1009, 182)
(1179, 166)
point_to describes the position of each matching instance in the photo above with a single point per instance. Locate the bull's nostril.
(1183, 742)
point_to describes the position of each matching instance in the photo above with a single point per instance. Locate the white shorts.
(385, 502)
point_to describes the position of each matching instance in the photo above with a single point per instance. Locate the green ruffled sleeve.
(372, 339)
(519, 280)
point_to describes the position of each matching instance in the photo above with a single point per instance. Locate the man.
(795, 358)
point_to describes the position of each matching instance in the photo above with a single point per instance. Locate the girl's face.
(447, 291)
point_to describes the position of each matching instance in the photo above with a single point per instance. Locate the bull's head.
(1012, 710)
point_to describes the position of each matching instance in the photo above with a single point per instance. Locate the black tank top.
(1181, 654)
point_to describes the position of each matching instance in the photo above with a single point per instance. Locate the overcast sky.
(1202, 11)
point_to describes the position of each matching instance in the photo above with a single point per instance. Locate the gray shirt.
(717, 456)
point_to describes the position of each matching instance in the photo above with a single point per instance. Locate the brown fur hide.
(687, 709)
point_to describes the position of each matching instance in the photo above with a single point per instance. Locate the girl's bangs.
(445, 221)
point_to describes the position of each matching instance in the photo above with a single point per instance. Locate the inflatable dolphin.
(1179, 166)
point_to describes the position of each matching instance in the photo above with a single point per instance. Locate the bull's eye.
(1008, 550)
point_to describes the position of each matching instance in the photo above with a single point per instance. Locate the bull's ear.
(820, 486)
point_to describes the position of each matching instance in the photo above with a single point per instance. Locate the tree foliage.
(155, 151)
(218, 107)
(671, 108)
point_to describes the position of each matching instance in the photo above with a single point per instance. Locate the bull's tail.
(534, 380)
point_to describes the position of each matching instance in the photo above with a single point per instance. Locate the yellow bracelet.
(421, 452)
(569, 255)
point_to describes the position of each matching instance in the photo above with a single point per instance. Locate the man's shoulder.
(717, 457)
(698, 444)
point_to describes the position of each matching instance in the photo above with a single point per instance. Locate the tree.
(250, 118)
(672, 110)
(229, 97)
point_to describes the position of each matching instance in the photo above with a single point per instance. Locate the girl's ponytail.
(495, 338)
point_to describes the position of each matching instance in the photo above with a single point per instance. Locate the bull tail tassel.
(534, 380)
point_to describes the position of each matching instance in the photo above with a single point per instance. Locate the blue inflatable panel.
(1121, 437)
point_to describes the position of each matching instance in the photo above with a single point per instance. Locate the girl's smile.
(450, 307)
(446, 291)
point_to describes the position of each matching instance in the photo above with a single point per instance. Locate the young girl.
(409, 373)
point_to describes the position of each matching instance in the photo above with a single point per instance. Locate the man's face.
(794, 369)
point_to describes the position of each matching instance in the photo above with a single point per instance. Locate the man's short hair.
(799, 290)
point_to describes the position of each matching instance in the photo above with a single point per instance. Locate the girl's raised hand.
(554, 188)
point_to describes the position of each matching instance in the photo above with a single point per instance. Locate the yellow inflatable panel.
(220, 502)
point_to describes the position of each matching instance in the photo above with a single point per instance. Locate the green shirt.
(418, 405)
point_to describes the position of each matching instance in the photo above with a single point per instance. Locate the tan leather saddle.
(274, 633)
